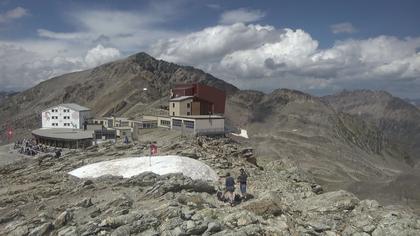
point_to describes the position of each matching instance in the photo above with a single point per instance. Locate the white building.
(69, 115)
(199, 124)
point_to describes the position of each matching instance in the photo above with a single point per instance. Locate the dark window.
(188, 105)
(176, 122)
(188, 113)
(165, 122)
(173, 113)
(189, 124)
(173, 104)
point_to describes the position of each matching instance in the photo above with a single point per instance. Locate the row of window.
(187, 123)
(56, 117)
(56, 124)
(176, 122)
(188, 105)
(56, 110)
(165, 122)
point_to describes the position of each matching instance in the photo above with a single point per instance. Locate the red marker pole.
(9, 134)
(153, 152)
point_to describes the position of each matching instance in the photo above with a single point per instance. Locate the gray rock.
(214, 227)
(42, 230)
(10, 216)
(85, 203)
(20, 231)
(267, 205)
(68, 231)
(117, 221)
(122, 231)
(63, 219)
(337, 201)
(195, 228)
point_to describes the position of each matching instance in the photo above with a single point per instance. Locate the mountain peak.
(142, 55)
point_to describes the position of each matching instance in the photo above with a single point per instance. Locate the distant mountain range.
(360, 140)
(415, 102)
(4, 95)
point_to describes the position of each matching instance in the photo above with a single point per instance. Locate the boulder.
(68, 231)
(214, 227)
(337, 201)
(85, 203)
(194, 228)
(238, 219)
(42, 230)
(20, 231)
(267, 205)
(122, 231)
(63, 219)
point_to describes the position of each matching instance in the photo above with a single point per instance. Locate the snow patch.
(161, 165)
(244, 133)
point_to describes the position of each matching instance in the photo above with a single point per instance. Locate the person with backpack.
(242, 179)
(230, 188)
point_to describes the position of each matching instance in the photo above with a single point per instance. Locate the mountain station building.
(64, 126)
(68, 115)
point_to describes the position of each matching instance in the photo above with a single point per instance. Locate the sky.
(316, 46)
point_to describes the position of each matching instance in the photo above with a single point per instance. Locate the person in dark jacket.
(230, 188)
(242, 179)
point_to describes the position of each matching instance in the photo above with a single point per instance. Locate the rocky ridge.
(40, 198)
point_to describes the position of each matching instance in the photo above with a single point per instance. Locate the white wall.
(201, 126)
(209, 126)
(64, 118)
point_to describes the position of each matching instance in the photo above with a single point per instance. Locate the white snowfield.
(244, 133)
(161, 165)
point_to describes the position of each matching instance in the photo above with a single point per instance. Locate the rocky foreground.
(38, 197)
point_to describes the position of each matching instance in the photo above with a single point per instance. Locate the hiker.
(230, 188)
(242, 179)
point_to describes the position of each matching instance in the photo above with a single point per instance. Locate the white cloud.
(255, 56)
(100, 55)
(241, 15)
(22, 68)
(213, 43)
(100, 36)
(344, 27)
(127, 30)
(13, 14)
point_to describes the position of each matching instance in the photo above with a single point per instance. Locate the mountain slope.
(339, 149)
(398, 119)
(112, 88)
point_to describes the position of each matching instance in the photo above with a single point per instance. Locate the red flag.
(153, 149)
